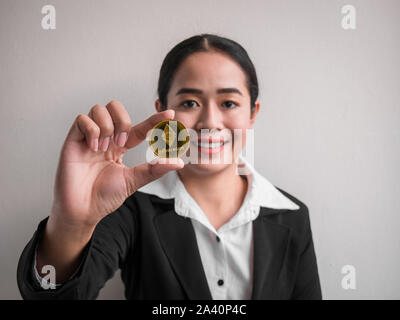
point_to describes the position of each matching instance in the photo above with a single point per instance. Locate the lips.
(210, 140)
(208, 144)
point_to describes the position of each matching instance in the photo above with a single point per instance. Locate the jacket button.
(220, 282)
(218, 239)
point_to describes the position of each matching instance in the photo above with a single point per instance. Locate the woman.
(177, 231)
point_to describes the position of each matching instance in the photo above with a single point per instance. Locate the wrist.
(69, 232)
(62, 245)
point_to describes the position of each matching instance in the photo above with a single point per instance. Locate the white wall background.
(328, 130)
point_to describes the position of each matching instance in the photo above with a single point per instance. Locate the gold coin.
(169, 139)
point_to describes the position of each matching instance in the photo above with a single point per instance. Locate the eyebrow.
(198, 91)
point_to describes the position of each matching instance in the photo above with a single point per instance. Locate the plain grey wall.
(328, 130)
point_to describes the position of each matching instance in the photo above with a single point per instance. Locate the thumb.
(145, 173)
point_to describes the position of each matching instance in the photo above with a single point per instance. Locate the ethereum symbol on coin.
(169, 135)
(169, 139)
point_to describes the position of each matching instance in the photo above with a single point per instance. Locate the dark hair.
(205, 43)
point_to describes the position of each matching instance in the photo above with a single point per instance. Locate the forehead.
(209, 69)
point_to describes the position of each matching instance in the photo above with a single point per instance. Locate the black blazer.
(157, 252)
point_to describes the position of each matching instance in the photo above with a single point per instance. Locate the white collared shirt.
(226, 254)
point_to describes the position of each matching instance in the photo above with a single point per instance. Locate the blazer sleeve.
(106, 251)
(307, 286)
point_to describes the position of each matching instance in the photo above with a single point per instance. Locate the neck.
(224, 189)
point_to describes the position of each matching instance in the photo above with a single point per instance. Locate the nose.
(210, 118)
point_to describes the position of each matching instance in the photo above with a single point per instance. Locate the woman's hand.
(91, 180)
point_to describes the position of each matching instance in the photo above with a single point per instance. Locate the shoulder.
(303, 210)
(297, 220)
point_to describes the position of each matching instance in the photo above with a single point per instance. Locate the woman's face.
(199, 101)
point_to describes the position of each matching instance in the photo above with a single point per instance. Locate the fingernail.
(122, 139)
(95, 144)
(105, 143)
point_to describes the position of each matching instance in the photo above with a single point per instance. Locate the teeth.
(208, 145)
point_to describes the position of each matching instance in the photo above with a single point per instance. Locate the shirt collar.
(261, 192)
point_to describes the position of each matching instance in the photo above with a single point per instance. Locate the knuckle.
(107, 128)
(96, 107)
(80, 117)
(113, 103)
(124, 123)
(140, 135)
(92, 130)
(119, 114)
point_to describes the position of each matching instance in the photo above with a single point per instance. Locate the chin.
(207, 168)
(201, 165)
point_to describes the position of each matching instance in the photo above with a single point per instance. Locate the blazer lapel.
(178, 239)
(270, 244)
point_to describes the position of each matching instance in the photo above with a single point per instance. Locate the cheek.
(187, 120)
(238, 129)
(239, 137)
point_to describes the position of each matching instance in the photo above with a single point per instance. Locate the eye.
(186, 106)
(231, 107)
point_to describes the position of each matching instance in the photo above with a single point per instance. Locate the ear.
(158, 105)
(254, 113)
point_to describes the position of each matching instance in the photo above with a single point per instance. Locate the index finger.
(138, 132)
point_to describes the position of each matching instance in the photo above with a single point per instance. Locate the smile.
(209, 148)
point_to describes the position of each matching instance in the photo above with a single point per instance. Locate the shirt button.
(220, 282)
(218, 239)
